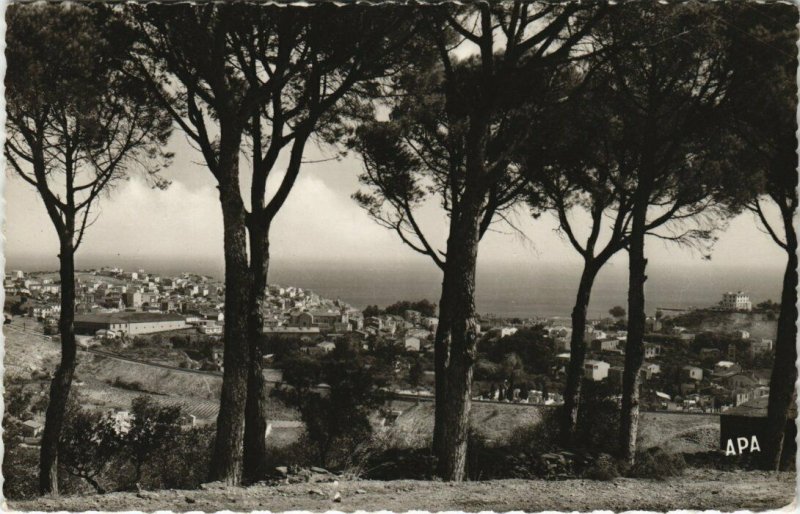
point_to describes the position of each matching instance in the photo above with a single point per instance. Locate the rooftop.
(291, 330)
(127, 317)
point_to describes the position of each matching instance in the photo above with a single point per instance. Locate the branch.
(566, 227)
(756, 208)
(428, 248)
(451, 20)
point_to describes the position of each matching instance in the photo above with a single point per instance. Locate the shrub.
(297, 453)
(153, 428)
(394, 464)
(131, 386)
(184, 463)
(598, 419)
(658, 464)
(539, 438)
(20, 470)
(336, 420)
(17, 400)
(604, 467)
(714, 459)
(89, 442)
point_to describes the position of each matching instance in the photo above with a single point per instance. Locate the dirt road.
(696, 490)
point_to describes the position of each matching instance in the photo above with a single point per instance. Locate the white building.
(652, 350)
(693, 372)
(210, 329)
(507, 331)
(595, 370)
(650, 369)
(411, 343)
(326, 346)
(737, 301)
(592, 334)
(763, 346)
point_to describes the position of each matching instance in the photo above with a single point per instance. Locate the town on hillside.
(696, 360)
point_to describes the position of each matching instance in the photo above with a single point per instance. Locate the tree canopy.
(77, 122)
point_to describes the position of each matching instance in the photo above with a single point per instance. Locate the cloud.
(318, 222)
(135, 221)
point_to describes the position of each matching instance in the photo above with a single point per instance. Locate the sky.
(319, 222)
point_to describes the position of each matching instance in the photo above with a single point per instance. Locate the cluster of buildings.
(111, 302)
(292, 312)
(705, 379)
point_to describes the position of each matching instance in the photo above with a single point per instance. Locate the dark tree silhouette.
(76, 125)
(152, 427)
(274, 79)
(572, 170)
(454, 131)
(665, 89)
(575, 158)
(763, 102)
(617, 311)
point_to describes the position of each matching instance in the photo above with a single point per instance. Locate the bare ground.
(696, 490)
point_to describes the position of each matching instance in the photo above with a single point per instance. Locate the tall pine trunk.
(62, 380)
(577, 354)
(255, 429)
(784, 370)
(441, 348)
(464, 331)
(634, 348)
(226, 464)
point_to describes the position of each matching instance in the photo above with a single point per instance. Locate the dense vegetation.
(424, 307)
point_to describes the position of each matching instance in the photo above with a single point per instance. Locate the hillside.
(696, 490)
(675, 432)
(110, 383)
(198, 393)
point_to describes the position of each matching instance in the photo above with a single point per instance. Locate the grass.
(679, 433)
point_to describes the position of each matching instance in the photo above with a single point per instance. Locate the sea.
(534, 290)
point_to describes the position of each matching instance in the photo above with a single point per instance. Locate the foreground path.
(696, 490)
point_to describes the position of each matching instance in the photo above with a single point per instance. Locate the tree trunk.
(784, 371)
(226, 465)
(441, 346)
(577, 356)
(464, 331)
(634, 348)
(62, 380)
(255, 428)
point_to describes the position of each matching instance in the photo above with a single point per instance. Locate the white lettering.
(742, 443)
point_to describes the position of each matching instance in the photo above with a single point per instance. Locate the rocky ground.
(696, 490)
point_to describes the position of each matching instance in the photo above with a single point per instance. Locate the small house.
(595, 370)
(31, 428)
(692, 372)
